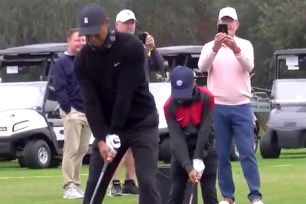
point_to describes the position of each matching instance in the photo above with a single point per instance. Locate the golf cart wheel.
(269, 146)
(37, 154)
(234, 150)
(55, 163)
(21, 162)
(165, 150)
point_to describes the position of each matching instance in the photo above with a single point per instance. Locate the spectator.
(228, 60)
(126, 22)
(76, 129)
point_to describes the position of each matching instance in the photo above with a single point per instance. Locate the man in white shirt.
(126, 23)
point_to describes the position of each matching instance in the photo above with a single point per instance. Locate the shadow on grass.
(293, 155)
(9, 164)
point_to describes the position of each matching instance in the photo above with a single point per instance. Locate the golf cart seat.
(51, 103)
(51, 109)
(50, 106)
(56, 122)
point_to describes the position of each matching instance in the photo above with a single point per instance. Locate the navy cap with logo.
(90, 20)
(182, 82)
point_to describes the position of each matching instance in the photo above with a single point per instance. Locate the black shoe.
(129, 187)
(116, 189)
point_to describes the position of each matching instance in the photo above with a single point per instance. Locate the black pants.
(144, 145)
(179, 178)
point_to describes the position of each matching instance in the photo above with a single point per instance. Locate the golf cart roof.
(35, 49)
(61, 47)
(180, 49)
(291, 51)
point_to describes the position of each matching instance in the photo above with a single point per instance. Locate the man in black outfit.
(117, 100)
(188, 113)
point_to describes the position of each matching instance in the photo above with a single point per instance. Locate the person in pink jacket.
(228, 60)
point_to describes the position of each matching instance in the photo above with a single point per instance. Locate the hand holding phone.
(223, 28)
(219, 39)
(143, 37)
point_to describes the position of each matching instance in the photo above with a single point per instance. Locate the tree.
(268, 24)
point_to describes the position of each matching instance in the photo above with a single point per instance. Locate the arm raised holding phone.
(229, 60)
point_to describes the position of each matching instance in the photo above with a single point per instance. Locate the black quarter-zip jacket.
(114, 87)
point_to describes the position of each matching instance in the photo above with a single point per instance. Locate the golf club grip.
(98, 183)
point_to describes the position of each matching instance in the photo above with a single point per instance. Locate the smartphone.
(222, 28)
(143, 37)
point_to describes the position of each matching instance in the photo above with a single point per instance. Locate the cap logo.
(179, 82)
(85, 20)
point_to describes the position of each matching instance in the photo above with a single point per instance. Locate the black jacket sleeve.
(93, 109)
(178, 140)
(60, 86)
(205, 126)
(156, 61)
(131, 75)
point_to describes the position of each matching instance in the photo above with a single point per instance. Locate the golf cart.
(189, 56)
(286, 125)
(31, 129)
(28, 131)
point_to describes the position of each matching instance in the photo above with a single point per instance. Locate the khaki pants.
(76, 142)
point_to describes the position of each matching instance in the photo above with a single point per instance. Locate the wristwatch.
(237, 50)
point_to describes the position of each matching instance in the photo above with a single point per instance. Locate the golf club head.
(113, 142)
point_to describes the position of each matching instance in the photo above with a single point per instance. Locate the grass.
(283, 181)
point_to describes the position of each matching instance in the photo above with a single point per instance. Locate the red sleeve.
(166, 106)
(206, 122)
(210, 95)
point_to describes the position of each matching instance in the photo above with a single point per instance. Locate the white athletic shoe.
(225, 202)
(80, 190)
(72, 193)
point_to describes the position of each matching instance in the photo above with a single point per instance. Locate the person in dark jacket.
(117, 100)
(126, 22)
(188, 112)
(76, 129)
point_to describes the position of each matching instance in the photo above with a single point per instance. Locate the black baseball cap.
(182, 82)
(90, 19)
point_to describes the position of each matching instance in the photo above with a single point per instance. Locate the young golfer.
(188, 112)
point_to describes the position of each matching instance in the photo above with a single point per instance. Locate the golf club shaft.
(98, 183)
(192, 193)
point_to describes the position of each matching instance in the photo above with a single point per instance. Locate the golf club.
(199, 166)
(191, 193)
(99, 182)
(113, 142)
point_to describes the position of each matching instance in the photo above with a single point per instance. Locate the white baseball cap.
(228, 11)
(125, 15)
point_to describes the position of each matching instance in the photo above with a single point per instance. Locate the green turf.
(283, 182)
